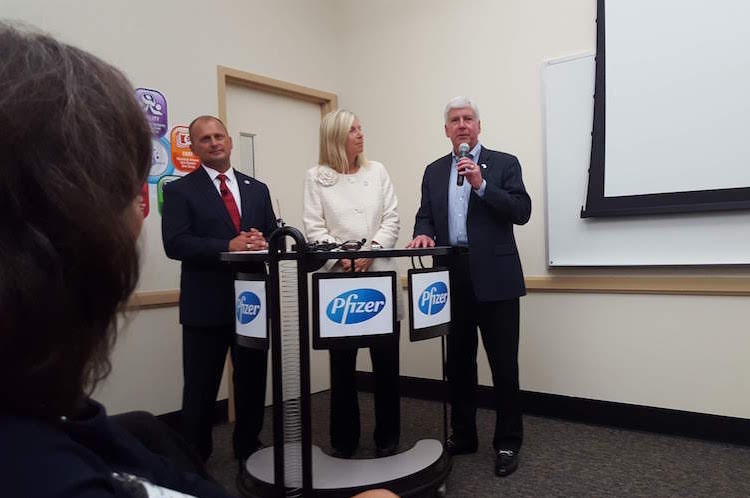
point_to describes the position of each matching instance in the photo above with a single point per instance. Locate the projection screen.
(671, 108)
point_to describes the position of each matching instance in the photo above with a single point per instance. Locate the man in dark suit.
(212, 210)
(477, 217)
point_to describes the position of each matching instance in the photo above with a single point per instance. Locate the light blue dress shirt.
(458, 200)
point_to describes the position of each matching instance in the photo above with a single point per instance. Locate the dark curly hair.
(77, 150)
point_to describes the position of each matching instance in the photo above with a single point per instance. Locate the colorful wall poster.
(154, 105)
(183, 159)
(160, 189)
(161, 164)
(143, 201)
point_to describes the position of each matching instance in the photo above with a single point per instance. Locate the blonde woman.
(348, 197)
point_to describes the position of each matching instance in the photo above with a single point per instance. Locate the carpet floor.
(558, 458)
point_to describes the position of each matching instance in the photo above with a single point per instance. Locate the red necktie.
(229, 202)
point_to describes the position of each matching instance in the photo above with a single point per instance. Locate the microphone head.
(463, 150)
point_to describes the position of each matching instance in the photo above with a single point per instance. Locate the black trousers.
(344, 423)
(498, 322)
(204, 352)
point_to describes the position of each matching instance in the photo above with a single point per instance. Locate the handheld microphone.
(463, 151)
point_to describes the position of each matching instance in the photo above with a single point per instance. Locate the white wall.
(146, 364)
(395, 64)
(404, 61)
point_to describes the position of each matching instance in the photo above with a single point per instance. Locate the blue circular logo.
(355, 306)
(248, 307)
(432, 300)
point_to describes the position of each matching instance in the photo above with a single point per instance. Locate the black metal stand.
(323, 475)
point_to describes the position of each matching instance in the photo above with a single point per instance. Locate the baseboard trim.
(589, 411)
(704, 426)
(174, 419)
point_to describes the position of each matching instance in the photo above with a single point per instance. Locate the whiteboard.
(715, 238)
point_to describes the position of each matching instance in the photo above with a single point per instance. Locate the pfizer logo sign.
(355, 306)
(432, 299)
(248, 307)
(429, 302)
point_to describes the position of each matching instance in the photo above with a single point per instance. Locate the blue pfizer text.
(355, 306)
(248, 307)
(432, 300)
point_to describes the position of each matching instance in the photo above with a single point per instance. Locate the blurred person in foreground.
(347, 197)
(77, 152)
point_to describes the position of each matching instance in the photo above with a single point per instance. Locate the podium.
(302, 469)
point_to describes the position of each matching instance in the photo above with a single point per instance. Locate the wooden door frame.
(227, 76)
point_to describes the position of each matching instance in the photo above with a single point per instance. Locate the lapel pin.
(247, 182)
(484, 166)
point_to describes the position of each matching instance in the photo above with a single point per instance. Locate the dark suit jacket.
(493, 256)
(196, 227)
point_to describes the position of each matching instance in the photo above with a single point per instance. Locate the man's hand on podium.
(248, 241)
(421, 241)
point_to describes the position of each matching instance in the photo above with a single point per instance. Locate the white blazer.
(340, 207)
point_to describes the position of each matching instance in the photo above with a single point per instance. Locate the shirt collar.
(212, 173)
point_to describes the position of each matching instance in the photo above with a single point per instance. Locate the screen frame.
(597, 205)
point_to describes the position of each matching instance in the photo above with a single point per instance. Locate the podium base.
(418, 472)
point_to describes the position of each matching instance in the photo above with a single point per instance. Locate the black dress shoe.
(384, 451)
(506, 462)
(343, 452)
(455, 446)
